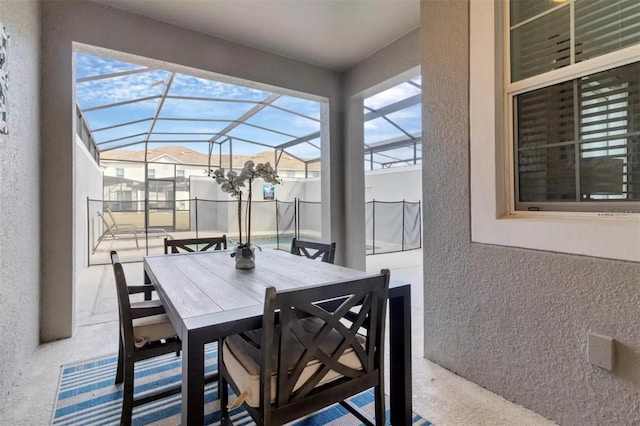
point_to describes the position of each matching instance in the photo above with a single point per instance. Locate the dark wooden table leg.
(147, 280)
(192, 380)
(400, 356)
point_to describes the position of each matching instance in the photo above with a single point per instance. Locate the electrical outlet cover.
(600, 350)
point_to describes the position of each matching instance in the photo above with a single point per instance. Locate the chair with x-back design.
(191, 245)
(318, 346)
(314, 250)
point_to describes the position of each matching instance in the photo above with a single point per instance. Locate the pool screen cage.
(137, 121)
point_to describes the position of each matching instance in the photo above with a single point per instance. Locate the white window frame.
(494, 219)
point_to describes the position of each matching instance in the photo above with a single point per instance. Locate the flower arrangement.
(234, 183)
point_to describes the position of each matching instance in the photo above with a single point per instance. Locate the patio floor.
(438, 395)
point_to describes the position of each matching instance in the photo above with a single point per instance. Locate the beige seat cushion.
(242, 360)
(152, 328)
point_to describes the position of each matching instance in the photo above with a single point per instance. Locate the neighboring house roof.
(184, 155)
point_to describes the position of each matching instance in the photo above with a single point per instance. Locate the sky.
(237, 101)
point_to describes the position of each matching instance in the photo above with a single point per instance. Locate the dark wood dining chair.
(145, 332)
(314, 350)
(201, 244)
(314, 250)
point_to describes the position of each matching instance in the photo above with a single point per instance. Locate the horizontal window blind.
(580, 140)
(546, 115)
(521, 10)
(603, 26)
(541, 36)
(541, 45)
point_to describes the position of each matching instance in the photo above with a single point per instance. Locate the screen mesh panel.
(216, 217)
(392, 226)
(286, 221)
(412, 238)
(546, 115)
(368, 223)
(579, 140)
(309, 220)
(388, 229)
(263, 219)
(609, 132)
(547, 174)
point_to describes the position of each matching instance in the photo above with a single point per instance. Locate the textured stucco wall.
(66, 22)
(512, 320)
(19, 195)
(87, 183)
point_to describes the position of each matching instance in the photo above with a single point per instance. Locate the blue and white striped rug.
(87, 396)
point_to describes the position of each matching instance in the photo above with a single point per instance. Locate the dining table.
(207, 298)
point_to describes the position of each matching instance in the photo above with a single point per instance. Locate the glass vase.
(245, 257)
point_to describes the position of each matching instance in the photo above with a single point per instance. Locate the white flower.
(232, 182)
(246, 174)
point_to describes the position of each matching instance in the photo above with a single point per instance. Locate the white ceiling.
(334, 34)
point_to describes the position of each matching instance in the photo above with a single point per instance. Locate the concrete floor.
(438, 395)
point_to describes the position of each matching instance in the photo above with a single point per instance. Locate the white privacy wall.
(512, 320)
(19, 196)
(87, 183)
(394, 184)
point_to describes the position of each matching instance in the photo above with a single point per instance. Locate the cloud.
(185, 85)
(87, 65)
(305, 125)
(284, 121)
(118, 89)
(389, 96)
(304, 150)
(302, 106)
(412, 112)
(178, 108)
(372, 124)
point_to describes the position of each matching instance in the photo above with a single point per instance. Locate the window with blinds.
(603, 26)
(577, 142)
(541, 44)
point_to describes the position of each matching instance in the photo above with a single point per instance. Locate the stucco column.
(354, 182)
(333, 182)
(56, 201)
